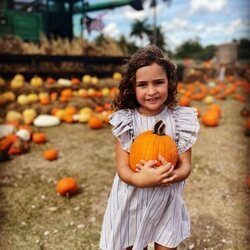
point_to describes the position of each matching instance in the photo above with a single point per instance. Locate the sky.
(210, 21)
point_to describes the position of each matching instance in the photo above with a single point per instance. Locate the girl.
(146, 206)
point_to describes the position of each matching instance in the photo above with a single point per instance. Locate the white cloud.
(207, 5)
(236, 25)
(131, 14)
(112, 30)
(174, 25)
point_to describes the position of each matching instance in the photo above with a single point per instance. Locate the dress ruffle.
(122, 123)
(187, 127)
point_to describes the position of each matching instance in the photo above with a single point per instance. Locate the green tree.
(243, 46)
(140, 28)
(189, 49)
(160, 39)
(207, 53)
(127, 47)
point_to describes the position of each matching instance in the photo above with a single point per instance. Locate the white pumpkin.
(6, 129)
(46, 121)
(24, 134)
(64, 82)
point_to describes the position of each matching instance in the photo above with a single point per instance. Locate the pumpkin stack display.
(150, 144)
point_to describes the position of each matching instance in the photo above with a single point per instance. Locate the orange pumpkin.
(53, 96)
(39, 137)
(67, 93)
(216, 108)
(50, 154)
(7, 141)
(210, 119)
(99, 108)
(150, 144)
(75, 81)
(50, 80)
(184, 101)
(66, 186)
(70, 110)
(95, 122)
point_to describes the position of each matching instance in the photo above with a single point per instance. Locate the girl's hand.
(168, 176)
(149, 174)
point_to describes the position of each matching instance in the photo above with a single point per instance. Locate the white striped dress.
(140, 216)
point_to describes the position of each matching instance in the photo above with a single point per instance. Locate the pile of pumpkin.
(28, 112)
(16, 140)
(209, 93)
(52, 91)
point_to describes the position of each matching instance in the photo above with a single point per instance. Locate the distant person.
(146, 206)
(222, 73)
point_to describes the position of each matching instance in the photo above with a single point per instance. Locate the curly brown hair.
(126, 98)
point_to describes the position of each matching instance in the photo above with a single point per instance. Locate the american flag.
(94, 23)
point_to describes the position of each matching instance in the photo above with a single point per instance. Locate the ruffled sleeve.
(122, 123)
(187, 127)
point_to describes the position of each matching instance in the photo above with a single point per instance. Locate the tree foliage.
(243, 49)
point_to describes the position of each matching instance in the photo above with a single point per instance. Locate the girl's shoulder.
(185, 111)
(122, 126)
(120, 116)
(187, 127)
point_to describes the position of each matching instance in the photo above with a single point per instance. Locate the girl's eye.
(141, 85)
(160, 82)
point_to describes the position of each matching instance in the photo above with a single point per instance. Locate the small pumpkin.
(50, 154)
(184, 101)
(216, 108)
(67, 93)
(39, 138)
(210, 119)
(66, 186)
(150, 144)
(95, 122)
(117, 76)
(36, 81)
(18, 147)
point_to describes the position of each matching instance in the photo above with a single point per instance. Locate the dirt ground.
(34, 217)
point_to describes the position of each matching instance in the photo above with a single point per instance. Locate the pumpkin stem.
(159, 128)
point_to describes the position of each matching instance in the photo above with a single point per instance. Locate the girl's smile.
(151, 89)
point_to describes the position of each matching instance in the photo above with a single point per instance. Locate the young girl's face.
(151, 89)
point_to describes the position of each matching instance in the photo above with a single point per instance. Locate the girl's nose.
(151, 90)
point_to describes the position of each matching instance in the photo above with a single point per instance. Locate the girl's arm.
(183, 167)
(147, 176)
